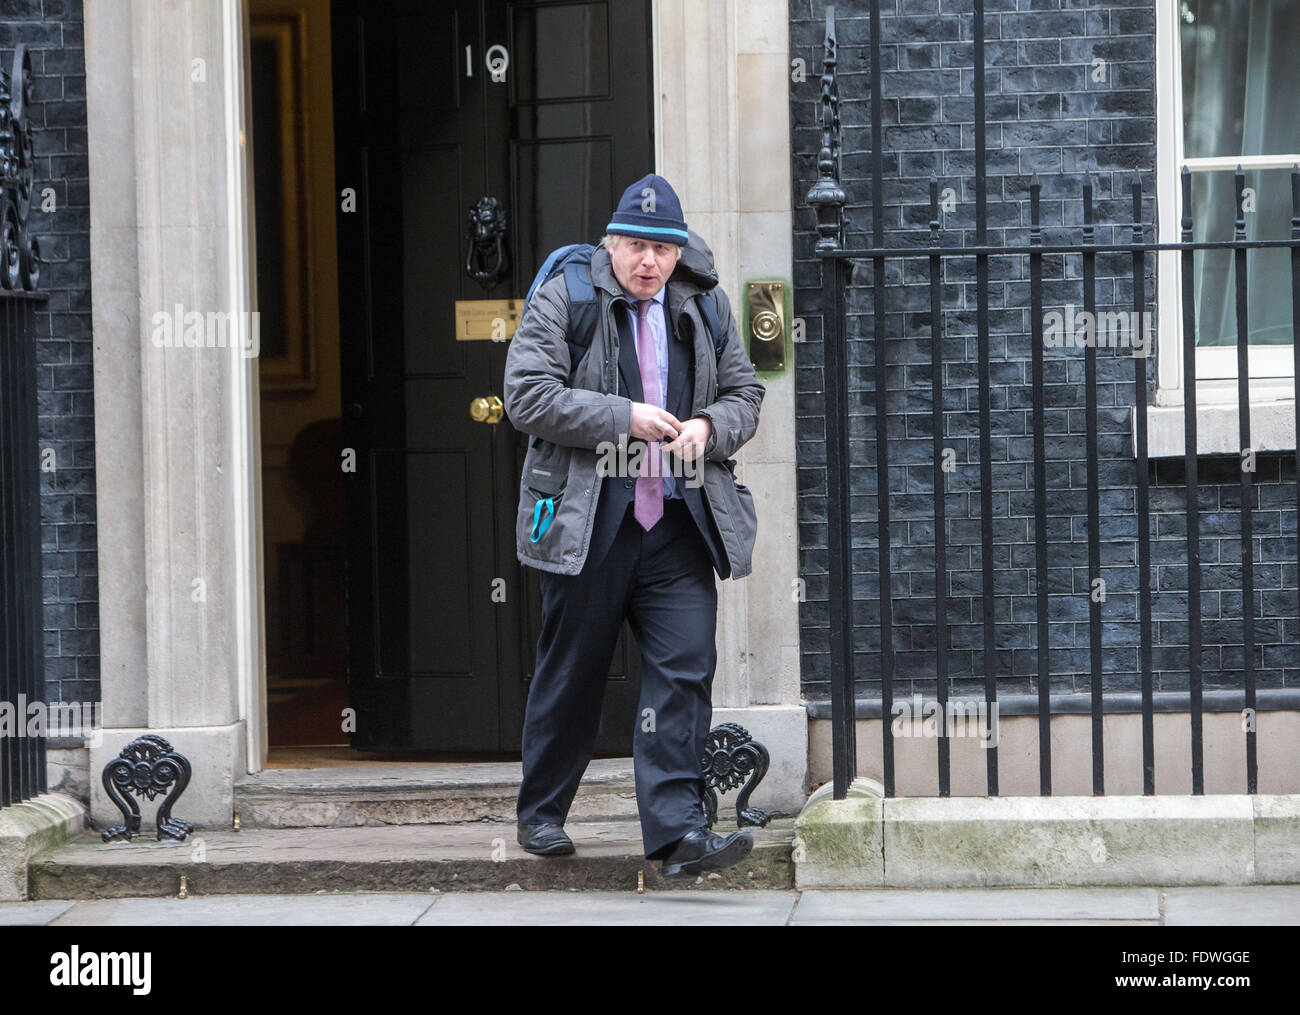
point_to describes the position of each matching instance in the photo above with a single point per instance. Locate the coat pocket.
(730, 463)
(541, 489)
(741, 522)
(544, 482)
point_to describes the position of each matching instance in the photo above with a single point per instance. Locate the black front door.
(546, 108)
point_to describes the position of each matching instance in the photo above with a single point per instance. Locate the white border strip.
(1220, 163)
(243, 453)
(1169, 153)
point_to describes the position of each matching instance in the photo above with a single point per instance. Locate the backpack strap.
(577, 276)
(548, 269)
(709, 310)
(584, 311)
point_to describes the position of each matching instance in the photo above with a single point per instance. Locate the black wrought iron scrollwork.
(826, 195)
(146, 767)
(20, 252)
(487, 259)
(731, 755)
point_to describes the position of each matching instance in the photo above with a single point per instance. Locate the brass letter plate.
(487, 320)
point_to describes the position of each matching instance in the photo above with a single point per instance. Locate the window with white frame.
(1231, 96)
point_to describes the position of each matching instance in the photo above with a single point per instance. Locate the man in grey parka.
(628, 507)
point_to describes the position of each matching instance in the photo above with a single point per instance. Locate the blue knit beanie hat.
(650, 209)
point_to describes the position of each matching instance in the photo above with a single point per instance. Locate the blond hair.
(608, 241)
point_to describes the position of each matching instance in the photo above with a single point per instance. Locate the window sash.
(1266, 361)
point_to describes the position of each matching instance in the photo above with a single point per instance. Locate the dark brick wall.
(1045, 114)
(52, 29)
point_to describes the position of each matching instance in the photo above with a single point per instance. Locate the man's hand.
(649, 422)
(692, 440)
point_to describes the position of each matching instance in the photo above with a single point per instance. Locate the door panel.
(549, 216)
(581, 131)
(580, 31)
(442, 620)
(423, 666)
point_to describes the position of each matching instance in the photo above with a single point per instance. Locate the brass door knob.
(486, 410)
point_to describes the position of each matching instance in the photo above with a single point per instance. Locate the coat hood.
(696, 263)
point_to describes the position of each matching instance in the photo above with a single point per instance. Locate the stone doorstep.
(482, 856)
(866, 841)
(418, 794)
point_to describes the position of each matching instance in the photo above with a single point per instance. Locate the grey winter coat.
(571, 415)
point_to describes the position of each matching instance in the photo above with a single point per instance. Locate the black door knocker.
(486, 259)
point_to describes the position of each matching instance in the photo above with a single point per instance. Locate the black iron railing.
(828, 198)
(22, 756)
(22, 655)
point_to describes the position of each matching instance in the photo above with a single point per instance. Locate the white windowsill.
(1272, 421)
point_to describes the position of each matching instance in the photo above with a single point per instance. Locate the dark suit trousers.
(662, 581)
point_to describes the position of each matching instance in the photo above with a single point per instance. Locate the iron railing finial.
(826, 195)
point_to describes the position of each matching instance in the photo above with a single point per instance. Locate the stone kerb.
(867, 841)
(839, 843)
(31, 827)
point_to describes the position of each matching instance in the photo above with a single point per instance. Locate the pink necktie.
(650, 485)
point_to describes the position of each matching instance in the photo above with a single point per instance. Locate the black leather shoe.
(545, 840)
(702, 850)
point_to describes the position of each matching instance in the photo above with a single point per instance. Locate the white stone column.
(166, 146)
(723, 141)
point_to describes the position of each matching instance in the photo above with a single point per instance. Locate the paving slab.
(1273, 905)
(696, 904)
(1001, 904)
(374, 909)
(975, 923)
(676, 909)
(32, 914)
